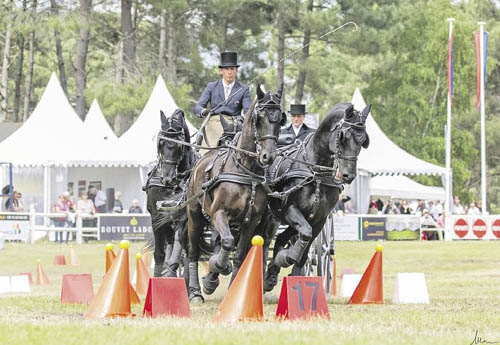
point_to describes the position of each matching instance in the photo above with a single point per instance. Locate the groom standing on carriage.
(226, 98)
(298, 129)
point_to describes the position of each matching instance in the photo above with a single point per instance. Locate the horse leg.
(195, 224)
(298, 268)
(271, 271)
(219, 262)
(169, 268)
(175, 255)
(296, 220)
(242, 248)
(159, 253)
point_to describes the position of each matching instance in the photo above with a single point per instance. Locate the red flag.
(477, 45)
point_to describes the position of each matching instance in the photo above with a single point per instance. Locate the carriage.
(250, 182)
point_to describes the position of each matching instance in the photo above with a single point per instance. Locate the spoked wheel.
(324, 248)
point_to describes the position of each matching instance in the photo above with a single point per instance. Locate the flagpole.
(483, 126)
(448, 187)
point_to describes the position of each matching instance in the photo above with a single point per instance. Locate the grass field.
(463, 280)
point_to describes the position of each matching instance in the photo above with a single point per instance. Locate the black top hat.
(298, 109)
(229, 59)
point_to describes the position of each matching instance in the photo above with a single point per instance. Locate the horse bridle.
(339, 129)
(273, 103)
(167, 134)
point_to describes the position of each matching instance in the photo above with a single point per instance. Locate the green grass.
(463, 280)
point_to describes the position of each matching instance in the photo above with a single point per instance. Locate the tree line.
(395, 51)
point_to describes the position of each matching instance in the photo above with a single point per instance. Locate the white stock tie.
(226, 91)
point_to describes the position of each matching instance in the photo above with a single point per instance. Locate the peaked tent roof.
(96, 123)
(47, 137)
(383, 157)
(137, 146)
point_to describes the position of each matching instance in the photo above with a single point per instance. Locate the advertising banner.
(15, 227)
(125, 227)
(373, 228)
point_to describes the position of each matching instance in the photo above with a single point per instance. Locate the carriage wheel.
(325, 250)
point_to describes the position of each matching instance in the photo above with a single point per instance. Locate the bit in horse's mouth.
(338, 175)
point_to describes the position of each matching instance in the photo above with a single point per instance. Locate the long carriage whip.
(199, 135)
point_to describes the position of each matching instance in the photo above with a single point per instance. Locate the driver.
(227, 97)
(297, 129)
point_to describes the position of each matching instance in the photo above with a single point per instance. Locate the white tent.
(49, 135)
(96, 123)
(122, 164)
(54, 150)
(383, 157)
(137, 146)
(402, 187)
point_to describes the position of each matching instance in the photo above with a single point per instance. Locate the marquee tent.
(54, 150)
(96, 123)
(384, 157)
(402, 187)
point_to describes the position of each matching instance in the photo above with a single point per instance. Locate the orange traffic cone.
(59, 260)
(113, 297)
(370, 288)
(110, 256)
(41, 276)
(334, 280)
(73, 258)
(142, 276)
(145, 257)
(244, 301)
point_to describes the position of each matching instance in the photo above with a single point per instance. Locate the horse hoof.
(282, 259)
(270, 283)
(209, 286)
(228, 270)
(298, 271)
(196, 299)
(214, 266)
(270, 279)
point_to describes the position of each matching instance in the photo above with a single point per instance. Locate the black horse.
(228, 190)
(167, 181)
(306, 182)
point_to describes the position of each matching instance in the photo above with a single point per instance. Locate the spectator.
(99, 199)
(135, 208)
(420, 207)
(17, 203)
(372, 207)
(340, 206)
(438, 209)
(441, 220)
(62, 205)
(404, 208)
(85, 207)
(118, 206)
(428, 222)
(473, 209)
(388, 207)
(457, 206)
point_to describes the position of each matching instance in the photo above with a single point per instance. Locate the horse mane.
(334, 115)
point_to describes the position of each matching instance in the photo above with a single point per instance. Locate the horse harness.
(311, 173)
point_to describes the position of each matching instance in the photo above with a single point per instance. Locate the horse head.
(347, 138)
(170, 153)
(266, 117)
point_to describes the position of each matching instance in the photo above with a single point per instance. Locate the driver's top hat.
(229, 59)
(298, 109)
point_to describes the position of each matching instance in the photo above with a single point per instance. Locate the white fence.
(32, 226)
